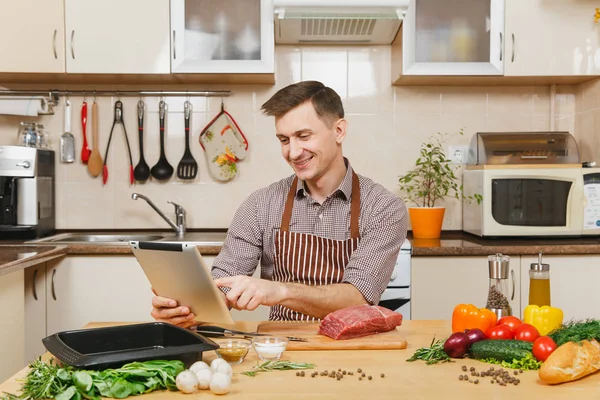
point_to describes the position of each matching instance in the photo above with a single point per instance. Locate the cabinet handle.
(72, 50)
(174, 47)
(54, 44)
(34, 285)
(512, 275)
(500, 46)
(53, 291)
(512, 59)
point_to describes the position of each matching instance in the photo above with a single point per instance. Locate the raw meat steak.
(358, 321)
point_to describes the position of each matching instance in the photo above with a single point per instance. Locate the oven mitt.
(225, 145)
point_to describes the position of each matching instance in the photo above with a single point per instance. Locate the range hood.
(338, 22)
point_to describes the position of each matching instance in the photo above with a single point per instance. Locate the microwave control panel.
(591, 200)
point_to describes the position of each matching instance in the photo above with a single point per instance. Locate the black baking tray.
(112, 347)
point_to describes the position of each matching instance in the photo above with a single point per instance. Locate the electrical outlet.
(458, 154)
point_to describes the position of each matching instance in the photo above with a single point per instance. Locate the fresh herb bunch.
(278, 365)
(50, 381)
(433, 354)
(576, 331)
(525, 363)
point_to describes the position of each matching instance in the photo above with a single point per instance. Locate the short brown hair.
(325, 100)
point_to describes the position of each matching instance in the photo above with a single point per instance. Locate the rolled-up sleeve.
(242, 248)
(372, 263)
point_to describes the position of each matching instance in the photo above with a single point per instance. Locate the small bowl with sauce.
(269, 347)
(233, 351)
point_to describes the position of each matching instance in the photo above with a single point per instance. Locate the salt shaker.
(498, 295)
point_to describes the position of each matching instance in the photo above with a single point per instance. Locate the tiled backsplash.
(386, 128)
(587, 120)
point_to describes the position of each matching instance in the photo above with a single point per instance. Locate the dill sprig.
(576, 331)
(278, 365)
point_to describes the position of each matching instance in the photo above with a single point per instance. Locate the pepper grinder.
(498, 297)
(539, 283)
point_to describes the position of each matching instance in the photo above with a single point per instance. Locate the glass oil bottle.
(539, 283)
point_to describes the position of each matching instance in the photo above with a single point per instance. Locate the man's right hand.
(167, 310)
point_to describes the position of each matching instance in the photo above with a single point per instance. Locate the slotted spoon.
(188, 167)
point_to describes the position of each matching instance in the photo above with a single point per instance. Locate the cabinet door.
(12, 328)
(440, 283)
(462, 39)
(260, 314)
(551, 38)
(32, 33)
(84, 289)
(573, 284)
(120, 37)
(35, 311)
(227, 36)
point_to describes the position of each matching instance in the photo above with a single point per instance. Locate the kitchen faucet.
(179, 213)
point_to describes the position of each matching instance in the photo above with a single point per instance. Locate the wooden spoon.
(95, 162)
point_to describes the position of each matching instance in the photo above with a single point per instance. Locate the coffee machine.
(27, 187)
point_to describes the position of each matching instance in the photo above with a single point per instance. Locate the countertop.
(18, 256)
(411, 380)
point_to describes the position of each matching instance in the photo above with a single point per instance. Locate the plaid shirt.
(382, 224)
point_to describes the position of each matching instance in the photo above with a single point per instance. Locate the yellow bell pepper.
(544, 318)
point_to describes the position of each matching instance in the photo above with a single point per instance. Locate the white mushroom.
(186, 381)
(223, 368)
(216, 362)
(198, 365)
(204, 376)
(220, 383)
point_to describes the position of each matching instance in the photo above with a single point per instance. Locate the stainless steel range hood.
(337, 22)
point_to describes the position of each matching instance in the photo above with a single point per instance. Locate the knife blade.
(209, 330)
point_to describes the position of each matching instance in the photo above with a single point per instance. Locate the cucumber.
(501, 350)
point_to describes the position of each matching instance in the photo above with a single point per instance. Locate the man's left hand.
(247, 293)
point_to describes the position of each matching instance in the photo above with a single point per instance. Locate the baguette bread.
(570, 362)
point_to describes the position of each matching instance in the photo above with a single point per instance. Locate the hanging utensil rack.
(54, 95)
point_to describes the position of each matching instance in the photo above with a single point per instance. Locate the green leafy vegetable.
(576, 331)
(278, 365)
(526, 363)
(433, 354)
(49, 381)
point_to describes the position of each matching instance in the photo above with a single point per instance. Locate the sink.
(123, 238)
(108, 238)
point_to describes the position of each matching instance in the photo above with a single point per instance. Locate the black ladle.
(162, 170)
(142, 170)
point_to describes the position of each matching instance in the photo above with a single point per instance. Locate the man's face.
(308, 144)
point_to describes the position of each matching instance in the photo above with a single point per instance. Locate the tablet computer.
(178, 271)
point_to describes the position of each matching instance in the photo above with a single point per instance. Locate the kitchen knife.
(209, 330)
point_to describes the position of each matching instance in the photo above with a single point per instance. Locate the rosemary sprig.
(278, 365)
(433, 354)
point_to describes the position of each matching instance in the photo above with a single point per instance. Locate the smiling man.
(326, 237)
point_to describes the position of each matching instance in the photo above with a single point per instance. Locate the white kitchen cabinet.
(260, 314)
(94, 288)
(12, 328)
(573, 283)
(438, 284)
(464, 37)
(32, 33)
(117, 37)
(224, 37)
(551, 38)
(35, 311)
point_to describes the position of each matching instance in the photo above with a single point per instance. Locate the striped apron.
(310, 259)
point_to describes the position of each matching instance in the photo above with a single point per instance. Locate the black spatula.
(188, 167)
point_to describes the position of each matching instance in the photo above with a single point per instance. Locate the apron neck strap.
(354, 207)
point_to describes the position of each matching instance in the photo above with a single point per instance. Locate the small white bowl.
(269, 347)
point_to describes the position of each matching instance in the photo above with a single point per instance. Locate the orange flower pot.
(426, 221)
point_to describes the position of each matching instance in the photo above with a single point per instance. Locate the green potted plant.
(432, 179)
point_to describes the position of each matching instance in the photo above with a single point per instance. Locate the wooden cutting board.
(392, 340)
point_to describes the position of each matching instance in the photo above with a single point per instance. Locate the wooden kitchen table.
(403, 380)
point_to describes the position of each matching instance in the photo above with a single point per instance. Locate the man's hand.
(167, 310)
(247, 293)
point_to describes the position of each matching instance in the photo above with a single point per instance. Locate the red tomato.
(511, 321)
(500, 332)
(543, 347)
(526, 332)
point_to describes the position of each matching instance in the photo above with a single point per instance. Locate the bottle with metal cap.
(539, 283)
(498, 296)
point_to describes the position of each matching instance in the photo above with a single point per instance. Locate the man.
(326, 237)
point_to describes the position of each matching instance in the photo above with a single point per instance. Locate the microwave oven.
(532, 200)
